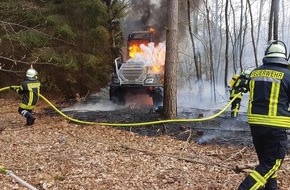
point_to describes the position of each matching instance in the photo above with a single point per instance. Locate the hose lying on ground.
(18, 179)
(10, 173)
(135, 124)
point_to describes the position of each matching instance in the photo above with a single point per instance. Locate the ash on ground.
(219, 130)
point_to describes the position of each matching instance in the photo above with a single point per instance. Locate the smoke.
(225, 131)
(144, 14)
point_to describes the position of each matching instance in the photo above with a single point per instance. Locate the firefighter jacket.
(241, 85)
(270, 94)
(29, 89)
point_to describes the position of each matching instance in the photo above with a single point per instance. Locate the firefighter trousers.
(235, 107)
(271, 146)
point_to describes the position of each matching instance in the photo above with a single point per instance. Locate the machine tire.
(157, 97)
(117, 95)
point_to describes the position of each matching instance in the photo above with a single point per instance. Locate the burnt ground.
(58, 154)
(221, 130)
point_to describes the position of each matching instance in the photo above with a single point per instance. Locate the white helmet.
(276, 49)
(32, 73)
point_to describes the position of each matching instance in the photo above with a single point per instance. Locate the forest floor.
(56, 154)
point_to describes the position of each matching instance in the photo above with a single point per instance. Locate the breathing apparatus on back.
(233, 81)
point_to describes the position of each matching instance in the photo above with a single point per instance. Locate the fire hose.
(18, 179)
(135, 124)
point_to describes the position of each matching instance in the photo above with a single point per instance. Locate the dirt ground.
(56, 154)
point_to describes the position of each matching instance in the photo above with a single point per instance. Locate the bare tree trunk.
(270, 30)
(283, 20)
(262, 2)
(243, 39)
(171, 61)
(276, 19)
(198, 75)
(212, 73)
(252, 33)
(242, 34)
(227, 45)
(233, 36)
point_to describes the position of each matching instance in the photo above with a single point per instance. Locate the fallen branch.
(245, 168)
(234, 155)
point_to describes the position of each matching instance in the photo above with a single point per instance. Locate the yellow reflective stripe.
(33, 85)
(29, 107)
(274, 169)
(275, 175)
(30, 96)
(30, 88)
(252, 87)
(261, 181)
(255, 187)
(273, 104)
(275, 121)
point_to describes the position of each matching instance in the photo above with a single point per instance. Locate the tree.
(226, 44)
(252, 33)
(273, 20)
(71, 43)
(210, 53)
(195, 57)
(171, 61)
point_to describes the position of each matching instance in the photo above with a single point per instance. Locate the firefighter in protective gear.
(29, 89)
(238, 84)
(268, 116)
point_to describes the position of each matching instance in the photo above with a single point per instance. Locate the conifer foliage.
(71, 43)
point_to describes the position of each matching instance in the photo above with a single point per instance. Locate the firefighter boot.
(234, 114)
(30, 120)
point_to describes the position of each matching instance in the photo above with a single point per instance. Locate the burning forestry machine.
(136, 76)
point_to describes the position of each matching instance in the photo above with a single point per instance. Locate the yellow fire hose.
(134, 124)
(10, 173)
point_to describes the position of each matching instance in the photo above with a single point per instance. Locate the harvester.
(138, 73)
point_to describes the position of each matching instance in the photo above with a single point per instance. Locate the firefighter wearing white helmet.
(276, 50)
(238, 83)
(32, 73)
(29, 89)
(268, 116)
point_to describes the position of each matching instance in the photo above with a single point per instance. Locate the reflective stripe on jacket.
(270, 96)
(30, 90)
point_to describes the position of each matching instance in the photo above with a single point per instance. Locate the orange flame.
(134, 47)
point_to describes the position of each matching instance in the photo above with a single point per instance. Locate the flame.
(156, 69)
(134, 47)
(152, 55)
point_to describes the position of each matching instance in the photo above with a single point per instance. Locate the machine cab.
(135, 39)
